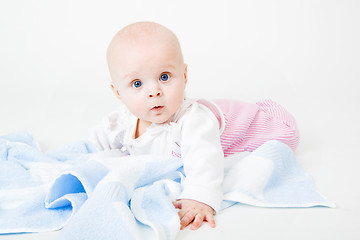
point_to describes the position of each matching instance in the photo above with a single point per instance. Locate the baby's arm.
(203, 161)
(194, 211)
(107, 134)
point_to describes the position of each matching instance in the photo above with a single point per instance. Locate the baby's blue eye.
(137, 84)
(164, 77)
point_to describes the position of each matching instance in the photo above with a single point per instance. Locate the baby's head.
(148, 71)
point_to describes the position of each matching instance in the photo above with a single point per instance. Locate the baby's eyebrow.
(167, 66)
(129, 76)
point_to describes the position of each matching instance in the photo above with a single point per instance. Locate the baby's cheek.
(177, 98)
(135, 107)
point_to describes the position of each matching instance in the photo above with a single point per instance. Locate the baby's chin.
(160, 120)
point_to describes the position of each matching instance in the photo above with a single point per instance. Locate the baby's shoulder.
(120, 117)
(202, 111)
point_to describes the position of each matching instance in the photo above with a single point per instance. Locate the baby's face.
(149, 77)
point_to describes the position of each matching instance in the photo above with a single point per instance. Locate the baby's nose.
(158, 94)
(155, 91)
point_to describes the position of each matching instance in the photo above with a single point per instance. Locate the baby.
(149, 76)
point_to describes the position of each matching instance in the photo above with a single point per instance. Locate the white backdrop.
(304, 54)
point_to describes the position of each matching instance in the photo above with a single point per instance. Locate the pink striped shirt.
(249, 125)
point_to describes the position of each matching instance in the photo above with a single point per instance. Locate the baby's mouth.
(157, 108)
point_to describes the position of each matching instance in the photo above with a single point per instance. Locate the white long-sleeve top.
(193, 134)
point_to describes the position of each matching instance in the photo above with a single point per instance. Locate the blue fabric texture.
(106, 195)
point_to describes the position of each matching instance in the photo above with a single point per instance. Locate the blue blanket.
(106, 195)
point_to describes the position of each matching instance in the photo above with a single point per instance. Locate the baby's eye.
(137, 84)
(164, 77)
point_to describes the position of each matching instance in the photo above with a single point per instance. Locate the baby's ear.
(185, 73)
(116, 92)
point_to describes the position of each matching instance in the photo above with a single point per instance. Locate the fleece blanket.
(109, 195)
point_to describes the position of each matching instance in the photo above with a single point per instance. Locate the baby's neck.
(141, 127)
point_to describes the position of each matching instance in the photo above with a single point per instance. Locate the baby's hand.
(194, 211)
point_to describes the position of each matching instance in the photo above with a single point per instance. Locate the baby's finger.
(182, 213)
(186, 219)
(210, 219)
(177, 204)
(198, 221)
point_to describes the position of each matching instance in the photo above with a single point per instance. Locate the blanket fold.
(109, 195)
